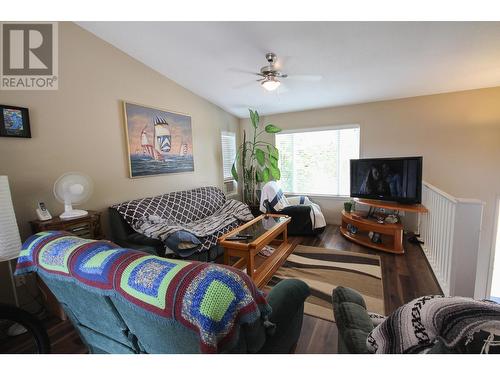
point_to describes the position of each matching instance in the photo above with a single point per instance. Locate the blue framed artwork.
(14, 122)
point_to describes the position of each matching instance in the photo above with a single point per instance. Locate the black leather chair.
(301, 224)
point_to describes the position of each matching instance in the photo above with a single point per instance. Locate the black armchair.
(301, 224)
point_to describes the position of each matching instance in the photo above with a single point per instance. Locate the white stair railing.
(451, 231)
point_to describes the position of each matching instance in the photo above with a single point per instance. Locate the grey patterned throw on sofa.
(196, 218)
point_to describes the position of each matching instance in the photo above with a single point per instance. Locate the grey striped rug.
(325, 269)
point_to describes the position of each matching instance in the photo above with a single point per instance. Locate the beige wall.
(80, 128)
(458, 134)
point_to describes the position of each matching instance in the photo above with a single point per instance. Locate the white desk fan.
(73, 188)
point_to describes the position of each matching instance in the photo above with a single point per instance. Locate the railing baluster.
(441, 237)
(437, 229)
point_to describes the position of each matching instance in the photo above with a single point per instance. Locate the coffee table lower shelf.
(363, 239)
(264, 267)
(264, 230)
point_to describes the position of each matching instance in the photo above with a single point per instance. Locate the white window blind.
(317, 161)
(228, 141)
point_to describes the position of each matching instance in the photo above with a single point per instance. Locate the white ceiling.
(359, 61)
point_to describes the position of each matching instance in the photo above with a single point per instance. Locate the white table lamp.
(10, 240)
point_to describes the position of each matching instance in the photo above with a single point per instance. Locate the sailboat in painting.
(147, 148)
(184, 149)
(162, 140)
(162, 136)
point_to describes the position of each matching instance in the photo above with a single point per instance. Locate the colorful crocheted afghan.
(211, 300)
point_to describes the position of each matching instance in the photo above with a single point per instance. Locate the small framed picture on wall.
(14, 122)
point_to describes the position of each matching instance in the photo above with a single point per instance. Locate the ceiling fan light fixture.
(270, 83)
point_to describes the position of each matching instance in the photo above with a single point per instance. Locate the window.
(228, 140)
(317, 161)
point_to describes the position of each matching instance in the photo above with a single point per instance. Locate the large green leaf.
(265, 175)
(260, 156)
(270, 128)
(254, 117)
(273, 152)
(274, 162)
(234, 172)
(275, 172)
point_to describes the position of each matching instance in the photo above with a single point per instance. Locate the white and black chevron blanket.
(415, 326)
(203, 212)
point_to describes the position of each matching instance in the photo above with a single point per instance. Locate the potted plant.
(256, 160)
(349, 206)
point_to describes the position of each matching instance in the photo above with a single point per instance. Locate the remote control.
(236, 238)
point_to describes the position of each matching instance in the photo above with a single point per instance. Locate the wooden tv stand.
(392, 234)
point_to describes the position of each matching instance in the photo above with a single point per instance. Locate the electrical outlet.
(20, 280)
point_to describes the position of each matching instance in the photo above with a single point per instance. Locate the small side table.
(86, 227)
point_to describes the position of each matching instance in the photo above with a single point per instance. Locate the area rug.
(325, 269)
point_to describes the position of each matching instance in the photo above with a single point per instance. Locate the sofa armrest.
(343, 294)
(125, 236)
(287, 301)
(297, 210)
(287, 297)
(352, 319)
(120, 229)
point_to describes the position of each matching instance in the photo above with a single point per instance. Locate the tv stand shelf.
(391, 234)
(392, 205)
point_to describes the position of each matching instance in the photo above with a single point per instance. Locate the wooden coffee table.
(265, 230)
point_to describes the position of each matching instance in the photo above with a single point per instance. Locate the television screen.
(392, 179)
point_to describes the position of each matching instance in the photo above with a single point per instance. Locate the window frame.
(232, 134)
(318, 129)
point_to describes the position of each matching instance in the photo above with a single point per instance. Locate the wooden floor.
(63, 340)
(404, 277)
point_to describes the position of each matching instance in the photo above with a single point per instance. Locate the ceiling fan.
(272, 76)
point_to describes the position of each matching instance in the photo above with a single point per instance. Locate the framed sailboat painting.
(158, 141)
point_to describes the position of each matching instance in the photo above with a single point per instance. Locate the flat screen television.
(389, 179)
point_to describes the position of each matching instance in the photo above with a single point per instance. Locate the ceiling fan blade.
(247, 84)
(235, 70)
(305, 77)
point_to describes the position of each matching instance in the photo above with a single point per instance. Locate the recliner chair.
(296, 207)
(119, 303)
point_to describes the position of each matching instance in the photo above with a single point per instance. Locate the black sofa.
(124, 235)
